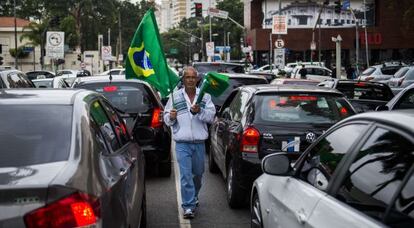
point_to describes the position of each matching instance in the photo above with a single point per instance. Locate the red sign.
(372, 38)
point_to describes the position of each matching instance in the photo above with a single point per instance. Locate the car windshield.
(365, 91)
(401, 72)
(60, 73)
(221, 68)
(43, 84)
(234, 83)
(368, 71)
(300, 108)
(34, 134)
(127, 97)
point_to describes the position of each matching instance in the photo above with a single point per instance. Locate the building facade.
(386, 39)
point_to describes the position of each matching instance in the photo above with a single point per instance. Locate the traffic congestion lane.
(162, 206)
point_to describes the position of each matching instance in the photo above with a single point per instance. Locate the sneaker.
(188, 214)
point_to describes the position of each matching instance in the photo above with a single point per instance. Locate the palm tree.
(35, 33)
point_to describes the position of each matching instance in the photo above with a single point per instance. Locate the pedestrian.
(189, 126)
(303, 72)
(349, 72)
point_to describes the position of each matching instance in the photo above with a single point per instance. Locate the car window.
(16, 80)
(401, 72)
(406, 101)
(403, 211)
(34, 134)
(117, 123)
(304, 108)
(365, 91)
(368, 71)
(317, 71)
(376, 173)
(410, 74)
(238, 105)
(390, 70)
(321, 161)
(101, 119)
(225, 108)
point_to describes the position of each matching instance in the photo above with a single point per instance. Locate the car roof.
(347, 81)
(105, 78)
(396, 117)
(40, 96)
(239, 75)
(42, 79)
(217, 63)
(290, 88)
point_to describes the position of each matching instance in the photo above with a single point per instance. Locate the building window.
(289, 22)
(303, 20)
(348, 21)
(342, 21)
(328, 21)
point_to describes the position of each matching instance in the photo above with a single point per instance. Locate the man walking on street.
(189, 125)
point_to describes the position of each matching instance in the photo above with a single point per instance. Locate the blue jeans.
(190, 157)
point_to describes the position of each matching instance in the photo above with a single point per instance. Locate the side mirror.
(276, 164)
(143, 135)
(382, 108)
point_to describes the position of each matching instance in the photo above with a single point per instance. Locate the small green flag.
(146, 60)
(214, 84)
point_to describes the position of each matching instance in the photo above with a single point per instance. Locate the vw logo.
(310, 137)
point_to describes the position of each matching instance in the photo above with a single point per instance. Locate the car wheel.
(255, 213)
(164, 169)
(143, 222)
(235, 195)
(212, 165)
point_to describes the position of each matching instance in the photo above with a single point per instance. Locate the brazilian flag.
(214, 84)
(146, 60)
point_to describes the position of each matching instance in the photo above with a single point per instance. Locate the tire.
(212, 165)
(255, 213)
(164, 169)
(143, 222)
(236, 197)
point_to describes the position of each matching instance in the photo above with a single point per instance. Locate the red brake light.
(361, 84)
(75, 210)
(156, 121)
(110, 88)
(250, 140)
(343, 111)
(303, 98)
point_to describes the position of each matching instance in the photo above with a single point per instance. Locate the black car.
(259, 120)
(67, 160)
(363, 95)
(141, 108)
(14, 79)
(403, 100)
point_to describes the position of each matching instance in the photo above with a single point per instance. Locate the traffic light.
(198, 9)
(1, 60)
(338, 6)
(79, 57)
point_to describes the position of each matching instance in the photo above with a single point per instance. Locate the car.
(290, 66)
(220, 67)
(360, 173)
(115, 71)
(67, 160)
(141, 108)
(402, 78)
(258, 120)
(313, 72)
(269, 76)
(380, 73)
(364, 95)
(403, 100)
(67, 73)
(265, 69)
(56, 82)
(293, 81)
(14, 79)
(39, 74)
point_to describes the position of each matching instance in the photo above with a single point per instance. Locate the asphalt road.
(213, 212)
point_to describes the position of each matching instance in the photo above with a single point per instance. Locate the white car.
(380, 73)
(360, 173)
(290, 66)
(56, 82)
(265, 69)
(67, 73)
(116, 71)
(313, 72)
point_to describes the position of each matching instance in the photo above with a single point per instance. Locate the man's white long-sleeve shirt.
(188, 127)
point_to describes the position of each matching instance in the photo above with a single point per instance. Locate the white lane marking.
(184, 223)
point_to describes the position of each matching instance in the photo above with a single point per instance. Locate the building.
(179, 11)
(386, 39)
(166, 15)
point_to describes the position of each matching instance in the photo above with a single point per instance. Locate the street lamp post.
(338, 41)
(15, 34)
(228, 44)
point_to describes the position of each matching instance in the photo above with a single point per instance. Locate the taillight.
(156, 120)
(77, 209)
(250, 140)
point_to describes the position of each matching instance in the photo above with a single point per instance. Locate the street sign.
(218, 13)
(106, 53)
(280, 58)
(279, 43)
(222, 48)
(210, 48)
(279, 25)
(120, 57)
(55, 45)
(196, 57)
(173, 51)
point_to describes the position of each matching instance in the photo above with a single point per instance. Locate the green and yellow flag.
(146, 60)
(214, 84)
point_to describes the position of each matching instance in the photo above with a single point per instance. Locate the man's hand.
(173, 114)
(195, 109)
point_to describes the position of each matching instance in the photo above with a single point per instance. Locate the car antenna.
(110, 77)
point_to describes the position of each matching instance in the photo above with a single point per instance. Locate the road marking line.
(184, 223)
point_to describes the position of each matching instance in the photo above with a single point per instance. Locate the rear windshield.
(221, 68)
(390, 70)
(128, 97)
(34, 134)
(235, 83)
(368, 71)
(43, 84)
(401, 72)
(300, 108)
(293, 82)
(365, 91)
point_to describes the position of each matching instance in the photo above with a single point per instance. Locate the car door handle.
(301, 216)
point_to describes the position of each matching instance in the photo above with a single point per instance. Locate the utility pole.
(356, 42)
(15, 35)
(338, 41)
(366, 35)
(120, 34)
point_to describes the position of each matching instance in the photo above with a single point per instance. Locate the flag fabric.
(146, 60)
(214, 84)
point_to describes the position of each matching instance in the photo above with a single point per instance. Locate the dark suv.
(140, 106)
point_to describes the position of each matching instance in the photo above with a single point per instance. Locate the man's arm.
(168, 119)
(207, 113)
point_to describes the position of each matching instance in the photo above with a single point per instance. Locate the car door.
(368, 186)
(130, 175)
(294, 198)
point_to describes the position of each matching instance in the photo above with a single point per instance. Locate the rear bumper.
(247, 170)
